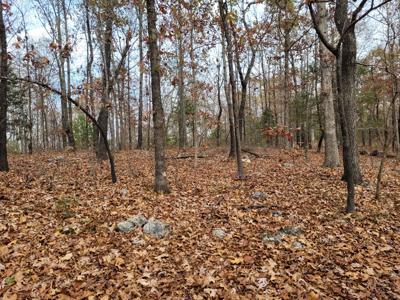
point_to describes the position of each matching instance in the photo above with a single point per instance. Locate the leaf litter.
(58, 237)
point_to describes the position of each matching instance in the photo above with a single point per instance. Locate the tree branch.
(323, 39)
(93, 119)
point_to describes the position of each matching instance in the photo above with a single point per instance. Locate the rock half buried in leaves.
(138, 220)
(291, 231)
(277, 213)
(219, 233)
(156, 228)
(259, 196)
(125, 226)
(273, 237)
(298, 245)
(277, 236)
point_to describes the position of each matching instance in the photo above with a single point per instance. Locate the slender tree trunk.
(3, 94)
(223, 9)
(218, 135)
(89, 74)
(61, 75)
(181, 89)
(160, 182)
(70, 133)
(232, 144)
(194, 96)
(141, 71)
(103, 117)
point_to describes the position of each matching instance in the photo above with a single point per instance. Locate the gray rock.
(259, 196)
(277, 237)
(138, 220)
(298, 245)
(124, 192)
(219, 233)
(291, 231)
(288, 165)
(125, 226)
(138, 242)
(277, 213)
(156, 228)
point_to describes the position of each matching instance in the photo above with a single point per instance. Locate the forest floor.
(59, 212)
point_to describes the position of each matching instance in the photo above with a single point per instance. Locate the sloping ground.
(58, 238)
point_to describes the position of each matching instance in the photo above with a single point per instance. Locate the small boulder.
(291, 231)
(298, 245)
(138, 220)
(156, 228)
(125, 226)
(138, 242)
(288, 165)
(259, 196)
(219, 233)
(277, 213)
(268, 237)
(124, 192)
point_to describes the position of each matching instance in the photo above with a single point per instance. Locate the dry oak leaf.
(66, 257)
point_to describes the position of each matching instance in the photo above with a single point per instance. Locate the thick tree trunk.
(346, 93)
(3, 94)
(331, 158)
(160, 182)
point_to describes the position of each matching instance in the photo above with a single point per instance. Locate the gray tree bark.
(160, 180)
(331, 158)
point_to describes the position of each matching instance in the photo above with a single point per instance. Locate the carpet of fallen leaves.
(58, 238)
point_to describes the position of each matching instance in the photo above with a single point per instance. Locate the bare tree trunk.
(194, 95)
(61, 74)
(70, 133)
(3, 94)
(232, 145)
(103, 117)
(160, 182)
(141, 71)
(218, 135)
(223, 9)
(331, 158)
(181, 89)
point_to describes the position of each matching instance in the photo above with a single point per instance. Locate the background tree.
(3, 90)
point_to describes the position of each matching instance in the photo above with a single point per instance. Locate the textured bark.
(160, 181)
(70, 133)
(346, 72)
(218, 135)
(3, 94)
(89, 64)
(141, 71)
(103, 117)
(181, 90)
(223, 9)
(232, 144)
(331, 158)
